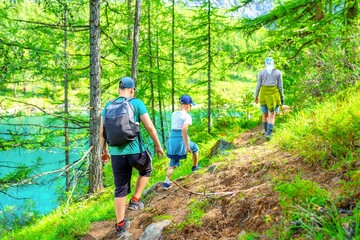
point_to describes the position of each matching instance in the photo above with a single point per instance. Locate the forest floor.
(239, 194)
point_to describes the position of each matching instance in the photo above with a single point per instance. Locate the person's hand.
(282, 100)
(188, 149)
(105, 156)
(159, 151)
(256, 100)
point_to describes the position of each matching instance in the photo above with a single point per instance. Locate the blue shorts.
(264, 109)
(176, 162)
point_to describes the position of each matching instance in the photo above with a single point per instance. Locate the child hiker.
(179, 143)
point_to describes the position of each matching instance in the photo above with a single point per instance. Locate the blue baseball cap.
(186, 99)
(127, 82)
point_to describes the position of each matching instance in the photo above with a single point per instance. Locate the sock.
(121, 223)
(167, 181)
(269, 129)
(265, 126)
(135, 199)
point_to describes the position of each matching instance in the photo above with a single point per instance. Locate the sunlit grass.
(65, 225)
(196, 212)
(327, 133)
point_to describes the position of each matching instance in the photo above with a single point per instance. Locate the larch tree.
(66, 97)
(135, 54)
(95, 165)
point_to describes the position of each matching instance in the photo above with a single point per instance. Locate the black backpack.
(119, 123)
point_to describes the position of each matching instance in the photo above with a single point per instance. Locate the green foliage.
(249, 236)
(330, 140)
(327, 222)
(196, 212)
(313, 214)
(17, 216)
(69, 224)
(21, 172)
(159, 218)
(300, 192)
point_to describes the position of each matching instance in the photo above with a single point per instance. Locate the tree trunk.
(319, 11)
(159, 84)
(152, 97)
(136, 41)
(66, 101)
(95, 166)
(173, 57)
(130, 18)
(209, 66)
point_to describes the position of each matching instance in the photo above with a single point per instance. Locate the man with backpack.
(128, 155)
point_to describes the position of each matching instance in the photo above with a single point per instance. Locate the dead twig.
(217, 194)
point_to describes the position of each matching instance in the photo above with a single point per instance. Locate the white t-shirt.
(179, 118)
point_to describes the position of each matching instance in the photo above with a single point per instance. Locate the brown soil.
(239, 194)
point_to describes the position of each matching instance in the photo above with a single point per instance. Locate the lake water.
(44, 194)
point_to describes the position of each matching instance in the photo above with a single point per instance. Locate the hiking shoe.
(135, 205)
(166, 185)
(195, 168)
(268, 137)
(121, 230)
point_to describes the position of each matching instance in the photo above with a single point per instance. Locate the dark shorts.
(122, 166)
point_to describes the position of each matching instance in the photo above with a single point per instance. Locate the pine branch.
(61, 171)
(73, 120)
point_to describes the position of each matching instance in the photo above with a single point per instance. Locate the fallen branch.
(61, 171)
(218, 194)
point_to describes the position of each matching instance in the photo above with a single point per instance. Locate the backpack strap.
(139, 138)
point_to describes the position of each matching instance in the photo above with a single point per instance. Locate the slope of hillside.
(227, 200)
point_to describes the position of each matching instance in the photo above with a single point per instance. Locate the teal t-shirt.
(132, 147)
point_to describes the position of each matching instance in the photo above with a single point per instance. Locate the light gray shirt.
(266, 79)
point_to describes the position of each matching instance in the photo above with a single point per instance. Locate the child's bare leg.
(169, 172)
(195, 157)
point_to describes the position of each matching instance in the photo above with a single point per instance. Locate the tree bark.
(173, 57)
(136, 41)
(66, 101)
(152, 97)
(95, 166)
(209, 66)
(159, 89)
(130, 18)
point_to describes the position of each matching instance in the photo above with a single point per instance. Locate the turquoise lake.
(43, 195)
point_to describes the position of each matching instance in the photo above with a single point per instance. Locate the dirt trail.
(239, 195)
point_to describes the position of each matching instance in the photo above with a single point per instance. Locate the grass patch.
(330, 140)
(300, 191)
(312, 214)
(196, 212)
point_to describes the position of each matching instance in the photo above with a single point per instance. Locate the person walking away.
(270, 88)
(179, 143)
(123, 157)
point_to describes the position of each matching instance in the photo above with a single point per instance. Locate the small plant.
(196, 212)
(300, 191)
(326, 222)
(162, 217)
